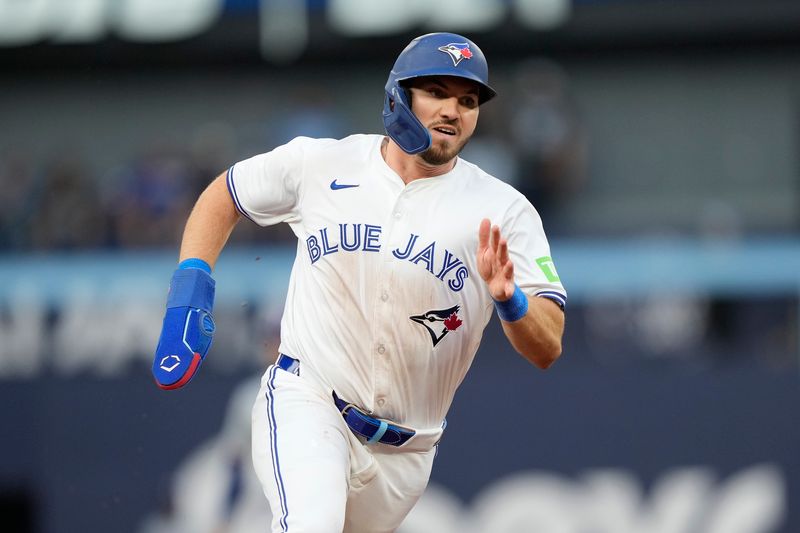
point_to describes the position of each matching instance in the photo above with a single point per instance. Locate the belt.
(361, 423)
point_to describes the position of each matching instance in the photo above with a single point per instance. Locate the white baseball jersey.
(385, 304)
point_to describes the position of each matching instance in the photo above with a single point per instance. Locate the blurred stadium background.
(659, 140)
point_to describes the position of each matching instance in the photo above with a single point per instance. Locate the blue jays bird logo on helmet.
(457, 52)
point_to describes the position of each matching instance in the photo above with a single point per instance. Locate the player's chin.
(435, 156)
(441, 152)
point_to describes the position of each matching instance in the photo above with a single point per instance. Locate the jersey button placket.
(394, 226)
(382, 368)
(397, 213)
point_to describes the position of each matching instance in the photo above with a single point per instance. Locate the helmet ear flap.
(402, 125)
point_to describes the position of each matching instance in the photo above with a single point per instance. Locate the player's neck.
(411, 167)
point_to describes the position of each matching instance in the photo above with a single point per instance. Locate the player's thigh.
(381, 505)
(300, 454)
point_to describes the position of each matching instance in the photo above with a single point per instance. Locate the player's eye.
(470, 102)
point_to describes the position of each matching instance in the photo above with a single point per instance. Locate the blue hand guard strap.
(191, 287)
(514, 308)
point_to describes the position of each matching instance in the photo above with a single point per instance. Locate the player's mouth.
(449, 131)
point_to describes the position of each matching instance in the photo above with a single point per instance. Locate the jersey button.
(381, 402)
(385, 296)
(381, 349)
(398, 214)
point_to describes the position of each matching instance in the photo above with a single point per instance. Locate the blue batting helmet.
(434, 54)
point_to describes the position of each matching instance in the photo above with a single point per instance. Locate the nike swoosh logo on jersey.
(336, 186)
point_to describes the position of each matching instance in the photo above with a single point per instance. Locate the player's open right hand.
(494, 263)
(187, 330)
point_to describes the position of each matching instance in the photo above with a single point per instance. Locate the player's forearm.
(210, 224)
(537, 335)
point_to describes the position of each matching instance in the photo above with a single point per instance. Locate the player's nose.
(449, 107)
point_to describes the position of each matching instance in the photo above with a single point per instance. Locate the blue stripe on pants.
(276, 465)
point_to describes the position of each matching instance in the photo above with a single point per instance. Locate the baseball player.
(404, 252)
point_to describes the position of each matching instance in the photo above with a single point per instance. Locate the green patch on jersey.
(549, 269)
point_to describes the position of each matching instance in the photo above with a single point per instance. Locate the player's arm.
(210, 223)
(537, 335)
(188, 326)
(533, 325)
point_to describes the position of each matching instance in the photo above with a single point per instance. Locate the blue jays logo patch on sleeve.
(446, 319)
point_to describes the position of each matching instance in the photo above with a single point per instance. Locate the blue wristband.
(194, 262)
(191, 287)
(514, 308)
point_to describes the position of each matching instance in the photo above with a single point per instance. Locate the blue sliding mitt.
(188, 325)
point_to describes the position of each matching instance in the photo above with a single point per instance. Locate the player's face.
(448, 107)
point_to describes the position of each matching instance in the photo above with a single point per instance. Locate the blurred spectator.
(212, 149)
(67, 212)
(546, 134)
(150, 198)
(16, 201)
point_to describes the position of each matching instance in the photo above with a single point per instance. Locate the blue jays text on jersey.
(446, 267)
